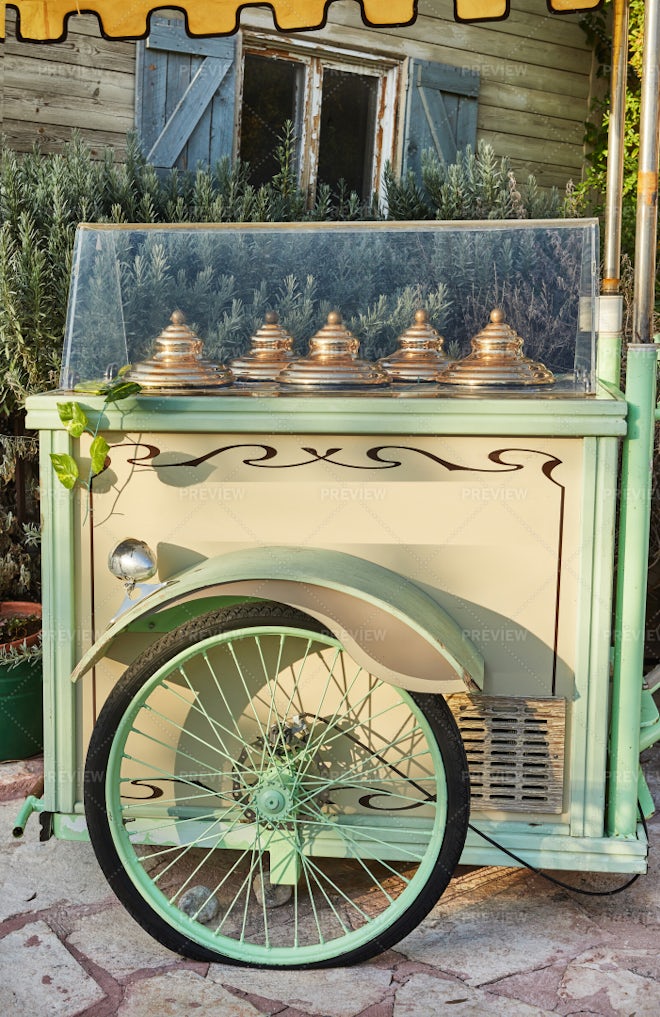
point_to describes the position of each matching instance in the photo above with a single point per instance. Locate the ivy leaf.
(98, 451)
(66, 469)
(124, 370)
(73, 417)
(122, 390)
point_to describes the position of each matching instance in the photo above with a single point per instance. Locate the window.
(342, 109)
(202, 100)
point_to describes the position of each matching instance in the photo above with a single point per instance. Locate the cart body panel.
(531, 482)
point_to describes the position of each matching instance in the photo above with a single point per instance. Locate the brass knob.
(497, 359)
(419, 355)
(178, 362)
(333, 360)
(271, 350)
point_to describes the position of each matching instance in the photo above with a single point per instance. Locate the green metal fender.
(386, 622)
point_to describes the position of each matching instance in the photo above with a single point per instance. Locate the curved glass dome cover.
(128, 280)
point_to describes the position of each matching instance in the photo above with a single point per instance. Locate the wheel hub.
(270, 802)
(273, 795)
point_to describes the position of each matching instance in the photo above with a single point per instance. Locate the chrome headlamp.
(133, 562)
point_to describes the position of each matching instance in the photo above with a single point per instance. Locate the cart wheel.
(254, 796)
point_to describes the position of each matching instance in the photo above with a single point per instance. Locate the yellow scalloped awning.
(46, 20)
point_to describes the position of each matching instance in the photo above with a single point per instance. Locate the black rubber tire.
(433, 707)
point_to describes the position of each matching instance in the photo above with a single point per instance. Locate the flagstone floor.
(501, 941)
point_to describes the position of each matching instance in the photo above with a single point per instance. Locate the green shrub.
(477, 186)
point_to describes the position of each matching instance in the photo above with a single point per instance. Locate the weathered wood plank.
(85, 114)
(532, 101)
(192, 105)
(523, 148)
(21, 136)
(80, 47)
(521, 98)
(495, 67)
(85, 83)
(2, 91)
(161, 38)
(49, 80)
(488, 48)
(553, 129)
(528, 19)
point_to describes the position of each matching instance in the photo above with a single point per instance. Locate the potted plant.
(21, 686)
(21, 713)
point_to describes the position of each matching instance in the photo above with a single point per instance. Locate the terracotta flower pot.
(21, 691)
(20, 609)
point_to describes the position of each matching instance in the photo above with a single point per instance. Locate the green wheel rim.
(278, 763)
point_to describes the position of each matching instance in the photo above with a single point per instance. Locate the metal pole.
(610, 311)
(636, 468)
(647, 179)
(615, 148)
(634, 524)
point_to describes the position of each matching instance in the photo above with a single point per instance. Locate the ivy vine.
(77, 423)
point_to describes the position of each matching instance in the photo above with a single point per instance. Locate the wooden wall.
(536, 80)
(49, 89)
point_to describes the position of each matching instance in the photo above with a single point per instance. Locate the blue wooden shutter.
(185, 93)
(441, 112)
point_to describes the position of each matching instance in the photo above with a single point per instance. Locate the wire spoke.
(184, 851)
(271, 686)
(305, 868)
(178, 751)
(264, 734)
(203, 861)
(317, 873)
(199, 703)
(239, 734)
(164, 775)
(172, 847)
(375, 791)
(244, 884)
(359, 775)
(313, 745)
(346, 835)
(227, 876)
(216, 724)
(324, 739)
(312, 869)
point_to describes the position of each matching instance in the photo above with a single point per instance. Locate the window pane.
(272, 94)
(348, 124)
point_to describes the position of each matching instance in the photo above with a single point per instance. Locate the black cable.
(559, 882)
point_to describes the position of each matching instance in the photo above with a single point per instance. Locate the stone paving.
(502, 941)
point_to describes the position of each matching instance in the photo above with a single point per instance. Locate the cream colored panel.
(488, 526)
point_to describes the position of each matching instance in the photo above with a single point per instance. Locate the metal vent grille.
(515, 751)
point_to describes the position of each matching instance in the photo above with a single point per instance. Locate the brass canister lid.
(178, 363)
(271, 350)
(419, 355)
(333, 361)
(497, 359)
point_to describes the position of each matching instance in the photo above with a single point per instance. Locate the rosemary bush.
(477, 186)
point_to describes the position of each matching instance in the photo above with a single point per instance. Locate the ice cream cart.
(331, 614)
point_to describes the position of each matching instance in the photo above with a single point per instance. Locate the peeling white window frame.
(314, 57)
